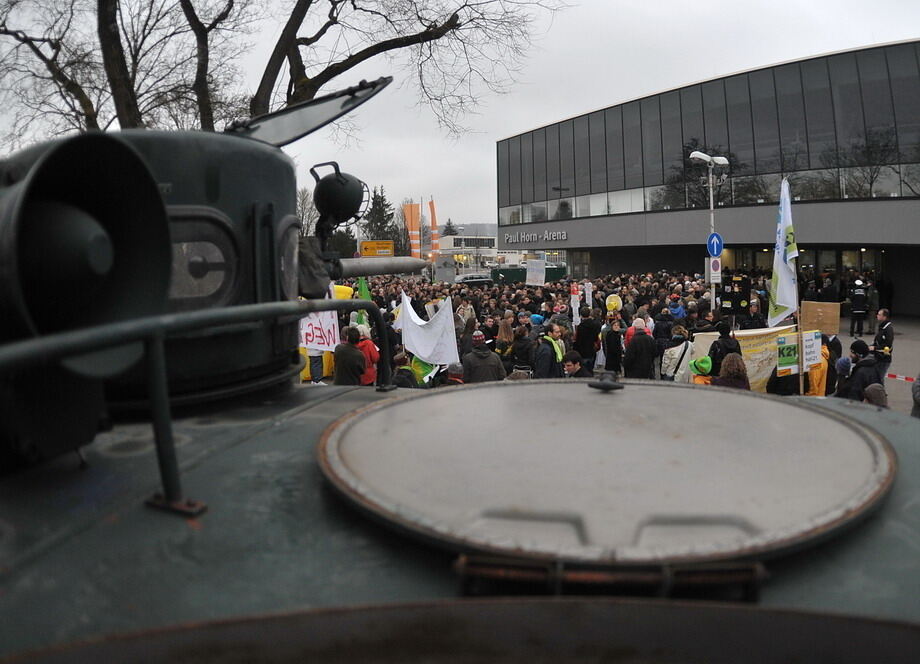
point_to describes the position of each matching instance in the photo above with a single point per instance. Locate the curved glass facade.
(844, 126)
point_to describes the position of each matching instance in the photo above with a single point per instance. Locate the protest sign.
(823, 316)
(811, 350)
(787, 355)
(320, 330)
(536, 272)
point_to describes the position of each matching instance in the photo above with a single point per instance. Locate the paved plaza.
(905, 359)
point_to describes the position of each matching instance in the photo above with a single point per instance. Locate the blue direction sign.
(714, 244)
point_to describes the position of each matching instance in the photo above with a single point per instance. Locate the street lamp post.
(711, 162)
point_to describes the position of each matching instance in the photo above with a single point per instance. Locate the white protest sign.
(575, 303)
(320, 330)
(811, 349)
(536, 272)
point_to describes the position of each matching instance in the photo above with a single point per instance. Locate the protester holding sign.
(883, 343)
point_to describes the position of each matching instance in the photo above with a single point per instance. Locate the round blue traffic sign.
(714, 245)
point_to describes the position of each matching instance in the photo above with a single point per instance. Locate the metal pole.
(712, 229)
(162, 422)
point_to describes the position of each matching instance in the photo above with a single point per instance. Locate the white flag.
(433, 341)
(784, 292)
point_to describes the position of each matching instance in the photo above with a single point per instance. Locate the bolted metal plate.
(655, 473)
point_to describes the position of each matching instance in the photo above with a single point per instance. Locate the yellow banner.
(758, 348)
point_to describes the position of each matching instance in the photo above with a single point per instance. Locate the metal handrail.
(41, 350)
(153, 331)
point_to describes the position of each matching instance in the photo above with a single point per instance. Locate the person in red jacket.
(371, 355)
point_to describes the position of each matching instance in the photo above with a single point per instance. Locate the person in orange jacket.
(700, 368)
(817, 377)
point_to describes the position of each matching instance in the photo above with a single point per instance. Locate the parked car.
(480, 280)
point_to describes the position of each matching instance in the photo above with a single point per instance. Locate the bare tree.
(307, 211)
(49, 68)
(86, 64)
(81, 64)
(454, 48)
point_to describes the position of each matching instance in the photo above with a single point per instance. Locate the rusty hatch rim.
(335, 471)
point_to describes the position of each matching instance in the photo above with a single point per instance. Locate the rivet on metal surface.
(186, 508)
(606, 382)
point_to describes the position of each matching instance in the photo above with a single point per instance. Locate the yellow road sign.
(376, 248)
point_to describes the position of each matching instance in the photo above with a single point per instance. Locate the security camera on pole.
(714, 251)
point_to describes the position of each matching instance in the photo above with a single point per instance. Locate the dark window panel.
(632, 144)
(848, 112)
(691, 109)
(613, 121)
(905, 89)
(552, 162)
(539, 165)
(503, 186)
(651, 142)
(740, 130)
(819, 114)
(823, 184)
(598, 152)
(793, 131)
(881, 137)
(527, 168)
(514, 170)
(766, 125)
(715, 121)
(567, 158)
(582, 157)
(672, 142)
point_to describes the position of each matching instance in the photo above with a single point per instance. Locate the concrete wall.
(613, 260)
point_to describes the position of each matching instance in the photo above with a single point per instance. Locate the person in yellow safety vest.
(817, 377)
(700, 368)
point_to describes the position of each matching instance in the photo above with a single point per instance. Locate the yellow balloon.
(343, 292)
(613, 302)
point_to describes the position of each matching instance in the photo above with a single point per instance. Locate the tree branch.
(308, 87)
(116, 68)
(259, 104)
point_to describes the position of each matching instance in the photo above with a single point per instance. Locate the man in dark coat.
(664, 321)
(706, 323)
(863, 374)
(481, 365)
(586, 335)
(883, 343)
(722, 346)
(548, 355)
(612, 343)
(639, 360)
(571, 363)
(349, 360)
(858, 306)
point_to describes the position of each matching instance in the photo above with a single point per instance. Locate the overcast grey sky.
(593, 55)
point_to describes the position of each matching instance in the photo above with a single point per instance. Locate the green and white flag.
(364, 293)
(784, 291)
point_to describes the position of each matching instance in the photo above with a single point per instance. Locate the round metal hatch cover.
(654, 473)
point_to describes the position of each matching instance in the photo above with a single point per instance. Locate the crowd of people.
(515, 331)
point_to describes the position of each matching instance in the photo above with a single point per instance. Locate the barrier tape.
(909, 379)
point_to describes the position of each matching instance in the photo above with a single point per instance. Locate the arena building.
(616, 190)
